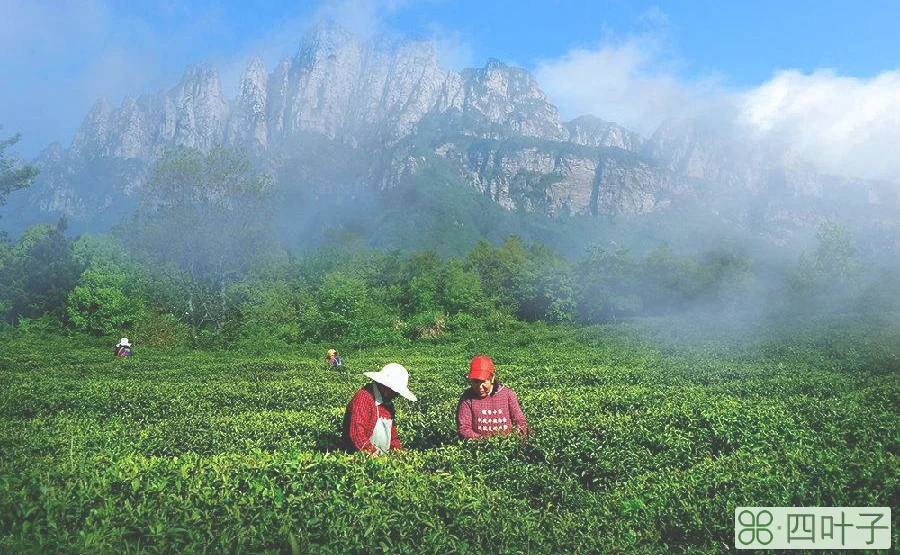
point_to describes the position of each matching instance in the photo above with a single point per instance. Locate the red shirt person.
(123, 348)
(369, 418)
(487, 407)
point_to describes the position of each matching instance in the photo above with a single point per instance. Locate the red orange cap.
(481, 368)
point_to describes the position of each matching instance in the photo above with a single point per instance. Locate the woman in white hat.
(123, 348)
(369, 417)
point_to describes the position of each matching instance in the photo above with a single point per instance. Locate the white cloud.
(454, 50)
(630, 82)
(60, 57)
(363, 18)
(57, 59)
(655, 19)
(65, 55)
(842, 125)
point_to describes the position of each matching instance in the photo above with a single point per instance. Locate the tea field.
(645, 440)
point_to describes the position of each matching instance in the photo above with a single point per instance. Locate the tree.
(272, 309)
(349, 313)
(38, 272)
(545, 286)
(11, 177)
(422, 278)
(101, 304)
(726, 277)
(208, 213)
(205, 218)
(607, 285)
(668, 279)
(835, 255)
(498, 269)
(461, 290)
(832, 268)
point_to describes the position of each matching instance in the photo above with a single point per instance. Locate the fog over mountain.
(349, 119)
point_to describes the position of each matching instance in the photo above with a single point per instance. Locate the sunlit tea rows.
(640, 445)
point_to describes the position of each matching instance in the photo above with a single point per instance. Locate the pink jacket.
(497, 413)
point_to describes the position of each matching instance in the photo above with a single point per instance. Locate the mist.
(820, 147)
(774, 200)
(841, 125)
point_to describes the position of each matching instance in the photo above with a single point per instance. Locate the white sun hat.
(394, 376)
(124, 342)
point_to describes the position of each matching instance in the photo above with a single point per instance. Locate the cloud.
(58, 58)
(842, 125)
(618, 81)
(454, 50)
(634, 81)
(363, 18)
(366, 19)
(31, 30)
(655, 18)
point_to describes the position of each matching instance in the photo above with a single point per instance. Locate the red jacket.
(360, 418)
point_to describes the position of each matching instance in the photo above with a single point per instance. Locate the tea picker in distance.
(333, 359)
(369, 418)
(487, 407)
(123, 348)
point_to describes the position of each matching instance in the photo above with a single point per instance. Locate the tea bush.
(642, 443)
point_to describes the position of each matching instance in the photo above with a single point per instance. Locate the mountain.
(346, 118)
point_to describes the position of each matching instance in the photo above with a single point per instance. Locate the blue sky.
(768, 65)
(743, 41)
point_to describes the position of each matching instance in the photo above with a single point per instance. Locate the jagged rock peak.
(94, 127)
(247, 125)
(200, 82)
(324, 39)
(698, 149)
(200, 71)
(256, 67)
(494, 64)
(100, 108)
(594, 132)
(328, 41)
(200, 107)
(495, 70)
(253, 83)
(53, 153)
(509, 96)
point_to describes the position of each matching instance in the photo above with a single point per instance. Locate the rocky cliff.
(344, 114)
